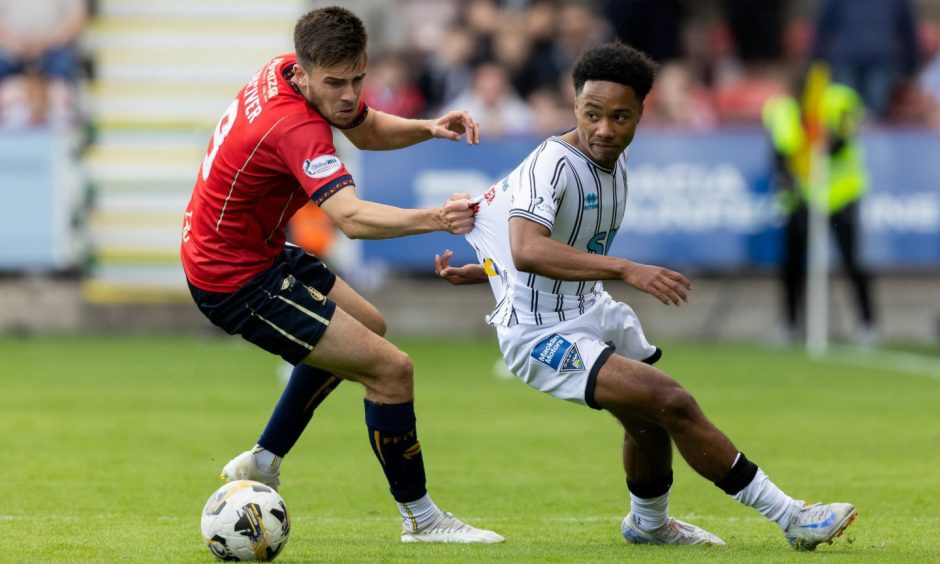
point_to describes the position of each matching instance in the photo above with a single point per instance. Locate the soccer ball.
(245, 520)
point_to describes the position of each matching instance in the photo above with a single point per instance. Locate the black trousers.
(844, 225)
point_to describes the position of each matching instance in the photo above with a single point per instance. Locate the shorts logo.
(322, 166)
(558, 353)
(316, 295)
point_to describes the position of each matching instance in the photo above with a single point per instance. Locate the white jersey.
(581, 204)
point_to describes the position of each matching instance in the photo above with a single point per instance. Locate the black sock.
(740, 475)
(394, 439)
(307, 388)
(651, 489)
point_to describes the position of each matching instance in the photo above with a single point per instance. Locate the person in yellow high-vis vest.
(842, 112)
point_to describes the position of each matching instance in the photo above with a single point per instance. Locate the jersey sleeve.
(540, 186)
(308, 152)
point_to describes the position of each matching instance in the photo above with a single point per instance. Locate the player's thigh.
(636, 389)
(355, 305)
(349, 349)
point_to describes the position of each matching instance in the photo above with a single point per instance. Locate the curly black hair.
(615, 62)
(328, 37)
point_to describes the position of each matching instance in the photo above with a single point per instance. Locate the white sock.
(769, 500)
(265, 459)
(650, 513)
(419, 513)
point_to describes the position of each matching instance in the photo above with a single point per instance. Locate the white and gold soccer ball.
(245, 520)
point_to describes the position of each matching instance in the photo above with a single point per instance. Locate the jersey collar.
(578, 152)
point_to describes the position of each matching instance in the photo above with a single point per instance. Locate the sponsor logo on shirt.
(590, 201)
(489, 267)
(540, 204)
(558, 353)
(270, 89)
(322, 166)
(187, 225)
(490, 195)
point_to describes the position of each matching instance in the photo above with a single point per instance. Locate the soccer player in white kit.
(542, 236)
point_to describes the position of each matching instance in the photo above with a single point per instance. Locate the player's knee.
(398, 370)
(391, 380)
(677, 405)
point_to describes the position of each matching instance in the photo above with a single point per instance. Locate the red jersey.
(270, 153)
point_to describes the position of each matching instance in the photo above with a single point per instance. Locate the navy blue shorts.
(284, 310)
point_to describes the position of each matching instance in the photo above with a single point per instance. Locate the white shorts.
(563, 359)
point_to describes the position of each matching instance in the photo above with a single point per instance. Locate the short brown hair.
(329, 36)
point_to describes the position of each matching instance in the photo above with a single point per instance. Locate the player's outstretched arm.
(534, 251)
(382, 132)
(458, 275)
(362, 219)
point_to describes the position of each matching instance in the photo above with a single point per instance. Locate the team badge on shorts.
(316, 295)
(558, 353)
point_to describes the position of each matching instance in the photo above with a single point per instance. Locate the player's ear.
(300, 75)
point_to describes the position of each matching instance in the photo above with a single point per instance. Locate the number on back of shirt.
(221, 130)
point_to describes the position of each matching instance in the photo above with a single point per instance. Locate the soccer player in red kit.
(271, 152)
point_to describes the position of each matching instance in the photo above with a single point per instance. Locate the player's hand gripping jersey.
(581, 204)
(270, 153)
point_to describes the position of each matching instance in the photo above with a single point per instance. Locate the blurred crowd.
(39, 60)
(507, 61)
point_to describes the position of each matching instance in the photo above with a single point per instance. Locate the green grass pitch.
(110, 448)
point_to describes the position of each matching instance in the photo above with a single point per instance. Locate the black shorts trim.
(284, 309)
(654, 358)
(592, 376)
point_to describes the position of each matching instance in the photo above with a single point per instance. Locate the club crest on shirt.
(322, 166)
(558, 353)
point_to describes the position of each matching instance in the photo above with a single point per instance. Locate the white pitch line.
(891, 361)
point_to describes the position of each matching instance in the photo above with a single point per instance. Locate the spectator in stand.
(928, 81)
(677, 100)
(391, 89)
(752, 71)
(38, 59)
(549, 115)
(498, 108)
(540, 22)
(578, 29)
(871, 46)
(757, 28)
(652, 26)
(447, 72)
(513, 51)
